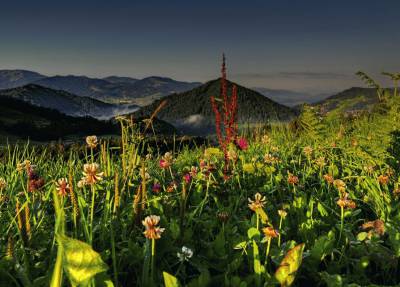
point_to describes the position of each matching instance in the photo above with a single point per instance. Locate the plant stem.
(153, 251)
(341, 222)
(257, 219)
(267, 252)
(279, 235)
(92, 212)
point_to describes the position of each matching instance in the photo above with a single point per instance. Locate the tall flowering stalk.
(225, 117)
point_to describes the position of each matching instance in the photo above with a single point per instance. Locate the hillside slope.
(21, 120)
(191, 111)
(65, 102)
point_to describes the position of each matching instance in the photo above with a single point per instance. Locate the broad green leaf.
(286, 271)
(170, 280)
(252, 232)
(322, 246)
(80, 261)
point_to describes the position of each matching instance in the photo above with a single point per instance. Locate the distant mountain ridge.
(65, 102)
(191, 111)
(15, 78)
(119, 80)
(111, 89)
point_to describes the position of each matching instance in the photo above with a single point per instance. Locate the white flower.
(186, 254)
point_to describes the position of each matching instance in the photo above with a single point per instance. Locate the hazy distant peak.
(15, 78)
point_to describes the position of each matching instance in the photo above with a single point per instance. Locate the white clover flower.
(186, 254)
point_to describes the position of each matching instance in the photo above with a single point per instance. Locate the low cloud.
(295, 75)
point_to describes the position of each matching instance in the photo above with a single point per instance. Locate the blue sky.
(313, 46)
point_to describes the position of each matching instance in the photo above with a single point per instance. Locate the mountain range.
(189, 112)
(111, 89)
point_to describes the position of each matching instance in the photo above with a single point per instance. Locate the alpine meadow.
(280, 169)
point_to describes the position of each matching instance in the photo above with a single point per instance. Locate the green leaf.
(252, 232)
(286, 271)
(322, 210)
(241, 245)
(80, 261)
(322, 246)
(170, 280)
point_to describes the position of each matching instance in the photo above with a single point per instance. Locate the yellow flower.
(152, 230)
(25, 165)
(274, 149)
(258, 202)
(269, 158)
(282, 213)
(292, 179)
(340, 185)
(308, 151)
(328, 178)
(91, 141)
(270, 232)
(344, 202)
(369, 169)
(383, 179)
(91, 174)
(320, 161)
(249, 168)
(266, 139)
(212, 151)
(232, 155)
